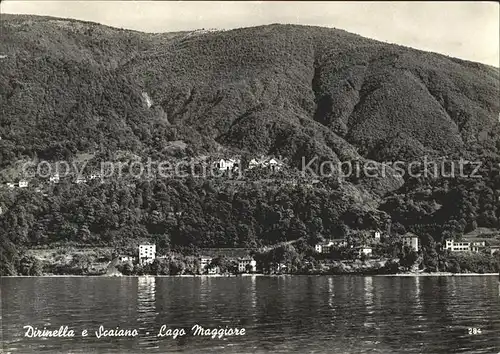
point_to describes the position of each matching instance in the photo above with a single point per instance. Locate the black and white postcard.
(249, 177)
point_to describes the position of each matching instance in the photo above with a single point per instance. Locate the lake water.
(299, 314)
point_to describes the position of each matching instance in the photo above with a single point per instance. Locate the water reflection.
(331, 294)
(146, 312)
(253, 292)
(281, 314)
(368, 293)
(146, 291)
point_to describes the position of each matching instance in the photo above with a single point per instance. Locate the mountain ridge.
(266, 89)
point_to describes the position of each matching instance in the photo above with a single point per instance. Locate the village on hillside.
(224, 166)
(329, 254)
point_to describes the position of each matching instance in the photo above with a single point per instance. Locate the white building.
(275, 165)
(253, 163)
(126, 258)
(11, 185)
(80, 180)
(464, 246)
(410, 240)
(204, 263)
(244, 262)
(228, 165)
(326, 247)
(494, 249)
(364, 250)
(54, 179)
(280, 267)
(23, 184)
(213, 270)
(147, 254)
(272, 163)
(377, 235)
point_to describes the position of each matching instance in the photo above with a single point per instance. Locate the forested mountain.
(70, 88)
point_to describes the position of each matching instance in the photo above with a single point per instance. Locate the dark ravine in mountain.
(69, 88)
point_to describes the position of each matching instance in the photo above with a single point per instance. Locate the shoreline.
(437, 274)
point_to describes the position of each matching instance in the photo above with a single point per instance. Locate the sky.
(467, 30)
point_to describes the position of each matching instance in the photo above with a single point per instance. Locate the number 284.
(473, 330)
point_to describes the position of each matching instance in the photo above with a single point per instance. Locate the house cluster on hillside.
(266, 162)
(225, 164)
(234, 164)
(327, 246)
(54, 179)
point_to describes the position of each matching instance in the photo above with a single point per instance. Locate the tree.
(249, 268)
(287, 255)
(36, 268)
(26, 264)
(81, 263)
(408, 257)
(127, 268)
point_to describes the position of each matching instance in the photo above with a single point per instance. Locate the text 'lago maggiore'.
(164, 331)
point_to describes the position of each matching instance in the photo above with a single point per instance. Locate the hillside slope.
(69, 86)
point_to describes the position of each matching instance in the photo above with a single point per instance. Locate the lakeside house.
(147, 254)
(211, 270)
(205, 263)
(279, 268)
(464, 245)
(411, 240)
(126, 258)
(246, 264)
(327, 246)
(364, 251)
(494, 249)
